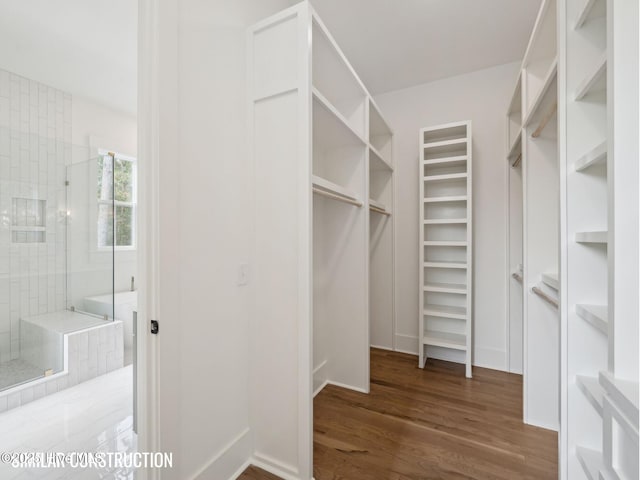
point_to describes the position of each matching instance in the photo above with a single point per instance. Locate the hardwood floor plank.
(428, 424)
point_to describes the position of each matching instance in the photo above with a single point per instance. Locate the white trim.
(223, 461)
(271, 465)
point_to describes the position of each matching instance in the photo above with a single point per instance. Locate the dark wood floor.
(427, 424)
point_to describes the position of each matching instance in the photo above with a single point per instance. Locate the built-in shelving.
(596, 315)
(516, 146)
(548, 80)
(551, 279)
(596, 155)
(594, 80)
(377, 160)
(591, 462)
(322, 185)
(592, 390)
(591, 237)
(332, 124)
(624, 394)
(378, 207)
(591, 9)
(445, 239)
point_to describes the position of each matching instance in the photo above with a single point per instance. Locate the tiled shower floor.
(17, 371)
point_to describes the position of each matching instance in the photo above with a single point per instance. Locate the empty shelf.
(334, 127)
(596, 315)
(591, 237)
(551, 279)
(597, 154)
(551, 75)
(445, 311)
(446, 288)
(325, 187)
(377, 161)
(378, 207)
(432, 264)
(449, 161)
(595, 80)
(591, 462)
(444, 221)
(624, 395)
(457, 198)
(444, 243)
(515, 146)
(591, 9)
(592, 390)
(444, 339)
(445, 143)
(440, 178)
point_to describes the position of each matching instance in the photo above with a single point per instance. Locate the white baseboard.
(348, 387)
(229, 461)
(389, 349)
(320, 388)
(275, 467)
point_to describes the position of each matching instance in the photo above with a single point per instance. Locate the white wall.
(481, 97)
(205, 231)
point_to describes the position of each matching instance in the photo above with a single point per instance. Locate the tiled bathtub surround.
(35, 139)
(90, 353)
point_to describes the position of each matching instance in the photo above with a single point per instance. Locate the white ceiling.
(86, 47)
(394, 44)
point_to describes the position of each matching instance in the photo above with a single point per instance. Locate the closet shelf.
(378, 207)
(448, 161)
(551, 113)
(537, 102)
(591, 462)
(445, 288)
(441, 178)
(624, 394)
(434, 264)
(597, 154)
(458, 198)
(444, 221)
(339, 124)
(592, 237)
(595, 80)
(591, 9)
(516, 146)
(378, 126)
(445, 311)
(444, 243)
(551, 279)
(592, 391)
(445, 143)
(377, 161)
(329, 189)
(596, 315)
(455, 341)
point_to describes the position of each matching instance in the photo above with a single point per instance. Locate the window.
(116, 194)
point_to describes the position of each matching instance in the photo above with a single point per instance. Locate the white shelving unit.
(322, 161)
(599, 238)
(446, 242)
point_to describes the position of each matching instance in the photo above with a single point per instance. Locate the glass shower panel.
(90, 237)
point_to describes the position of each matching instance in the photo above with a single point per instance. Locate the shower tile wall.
(35, 139)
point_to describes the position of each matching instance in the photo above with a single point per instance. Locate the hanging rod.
(550, 300)
(379, 210)
(543, 123)
(335, 196)
(517, 161)
(517, 276)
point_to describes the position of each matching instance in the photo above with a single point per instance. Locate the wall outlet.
(243, 274)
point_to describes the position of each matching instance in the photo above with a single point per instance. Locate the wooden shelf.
(435, 264)
(455, 341)
(549, 78)
(324, 185)
(596, 155)
(595, 80)
(551, 280)
(449, 161)
(591, 462)
(377, 161)
(624, 394)
(446, 288)
(335, 128)
(444, 243)
(443, 178)
(445, 311)
(456, 198)
(591, 9)
(592, 237)
(592, 391)
(596, 315)
(445, 221)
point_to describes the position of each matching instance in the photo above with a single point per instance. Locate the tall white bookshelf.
(446, 242)
(599, 231)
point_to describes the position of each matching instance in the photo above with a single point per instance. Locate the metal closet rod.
(517, 161)
(379, 210)
(517, 276)
(550, 300)
(335, 196)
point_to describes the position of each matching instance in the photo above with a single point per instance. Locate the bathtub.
(124, 304)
